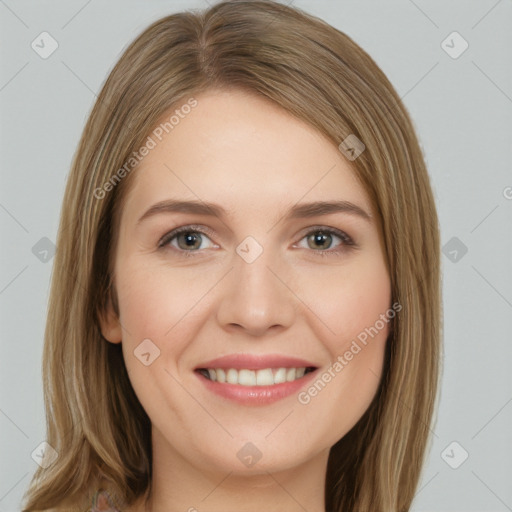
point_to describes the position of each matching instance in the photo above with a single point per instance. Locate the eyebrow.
(298, 211)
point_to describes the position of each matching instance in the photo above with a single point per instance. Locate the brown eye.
(320, 240)
(324, 241)
(189, 240)
(186, 239)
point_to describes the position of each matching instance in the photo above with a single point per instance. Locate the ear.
(110, 324)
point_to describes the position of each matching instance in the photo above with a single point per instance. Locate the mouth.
(254, 380)
(260, 377)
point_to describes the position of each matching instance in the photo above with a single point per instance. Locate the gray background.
(462, 109)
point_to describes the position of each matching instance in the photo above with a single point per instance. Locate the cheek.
(350, 308)
(168, 307)
(156, 302)
(150, 310)
(160, 305)
(346, 302)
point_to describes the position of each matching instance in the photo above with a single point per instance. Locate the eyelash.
(347, 241)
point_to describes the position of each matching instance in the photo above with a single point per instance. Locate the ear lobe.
(110, 324)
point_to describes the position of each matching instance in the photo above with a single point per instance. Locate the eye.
(322, 239)
(187, 238)
(191, 239)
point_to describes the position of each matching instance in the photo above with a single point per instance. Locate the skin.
(246, 154)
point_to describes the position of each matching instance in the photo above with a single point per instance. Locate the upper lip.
(256, 362)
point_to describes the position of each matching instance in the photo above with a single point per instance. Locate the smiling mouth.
(262, 377)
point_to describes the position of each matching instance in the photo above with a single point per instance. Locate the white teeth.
(264, 377)
(290, 374)
(280, 376)
(232, 376)
(246, 378)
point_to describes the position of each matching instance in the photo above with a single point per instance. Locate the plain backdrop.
(461, 102)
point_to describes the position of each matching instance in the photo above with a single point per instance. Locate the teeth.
(221, 375)
(247, 378)
(232, 376)
(280, 376)
(264, 377)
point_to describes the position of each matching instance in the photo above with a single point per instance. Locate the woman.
(245, 304)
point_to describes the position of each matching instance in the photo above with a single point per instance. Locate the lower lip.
(256, 395)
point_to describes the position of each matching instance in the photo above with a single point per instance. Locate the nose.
(255, 297)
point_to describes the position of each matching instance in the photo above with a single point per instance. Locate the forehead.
(245, 153)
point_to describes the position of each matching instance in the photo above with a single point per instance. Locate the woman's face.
(279, 271)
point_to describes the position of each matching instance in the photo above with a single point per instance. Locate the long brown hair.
(94, 420)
